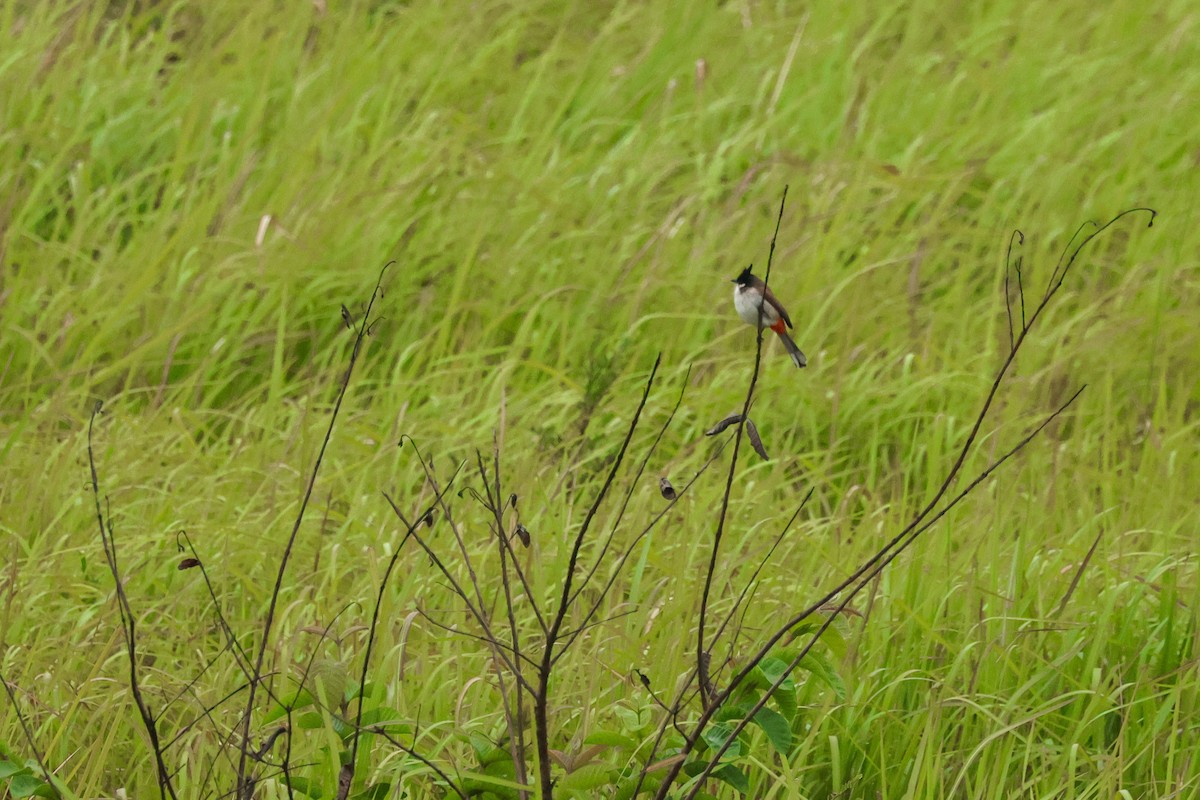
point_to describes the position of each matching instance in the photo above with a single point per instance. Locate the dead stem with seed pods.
(527, 630)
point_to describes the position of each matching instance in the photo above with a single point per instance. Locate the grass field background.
(189, 191)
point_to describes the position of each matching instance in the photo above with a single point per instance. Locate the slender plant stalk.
(128, 621)
(703, 654)
(923, 520)
(541, 698)
(245, 784)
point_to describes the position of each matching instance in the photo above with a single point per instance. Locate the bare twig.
(516, 737)
(569, 638)
(425, 615)
(541, 696)
(478, 613)
(761, 564)
(924, 519)
(853, 591)
(1079, 573)
(37, 754)
(245, 786)
(410, 751)
(633, 485)
(702, 652)
(239, 653)
(362, 682)
(128, 622)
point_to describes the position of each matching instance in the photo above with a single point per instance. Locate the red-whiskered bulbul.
(748, 299)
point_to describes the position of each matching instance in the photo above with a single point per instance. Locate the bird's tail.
(793, 351)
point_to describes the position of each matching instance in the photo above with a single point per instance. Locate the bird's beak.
(733, 280)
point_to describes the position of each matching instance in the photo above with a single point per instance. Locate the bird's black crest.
(744, 277)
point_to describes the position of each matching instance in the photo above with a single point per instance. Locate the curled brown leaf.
(756, 440)
(732, 419)
(668, 491)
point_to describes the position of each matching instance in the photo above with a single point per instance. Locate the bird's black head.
(744, 278)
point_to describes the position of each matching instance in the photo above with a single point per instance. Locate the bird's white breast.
(747, 302)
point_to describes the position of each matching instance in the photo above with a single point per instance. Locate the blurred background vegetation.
(189, 192)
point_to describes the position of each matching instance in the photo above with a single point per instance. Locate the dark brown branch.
(456, 587)
(495, 504)
(362, 682)
(1087, 559)
(245, 786)
(570, 637)
(702, 652)
(1019, 238)
(923, 520)
(37, 754)
(858, 587)
(633, 485)
(410, 751)
(128, 622)
(495, 507)
(542, 694)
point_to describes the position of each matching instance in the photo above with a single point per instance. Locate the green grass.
(564, 199)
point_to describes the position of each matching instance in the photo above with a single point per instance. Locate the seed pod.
(523, 534)
(668, 491)
(189, 563)
(732, 419)
(755, 440)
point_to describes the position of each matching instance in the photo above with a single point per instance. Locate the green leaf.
(306, 787)
(777, 729)
(786, 702)
(373, 690)
(836, 635)
(327, 678)
(488, 781)
(487, 750)
(310, 720)
(734, 777)
(632, 720)
(822, 669)
(341, 727)
(805, 627)
(734, 711)
(501, 768)
(672, 743)
(587, 779)
(8, 769)
(480, 743)
(377, 792)
(25, 785)
(612, 739)
(772, 669)
(386, 718)
(63, 793)
(625, 787)
(301, 699)
(717, 734)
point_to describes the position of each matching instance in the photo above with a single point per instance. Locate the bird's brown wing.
(774, 301)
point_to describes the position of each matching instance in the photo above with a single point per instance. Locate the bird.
(748, 300)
